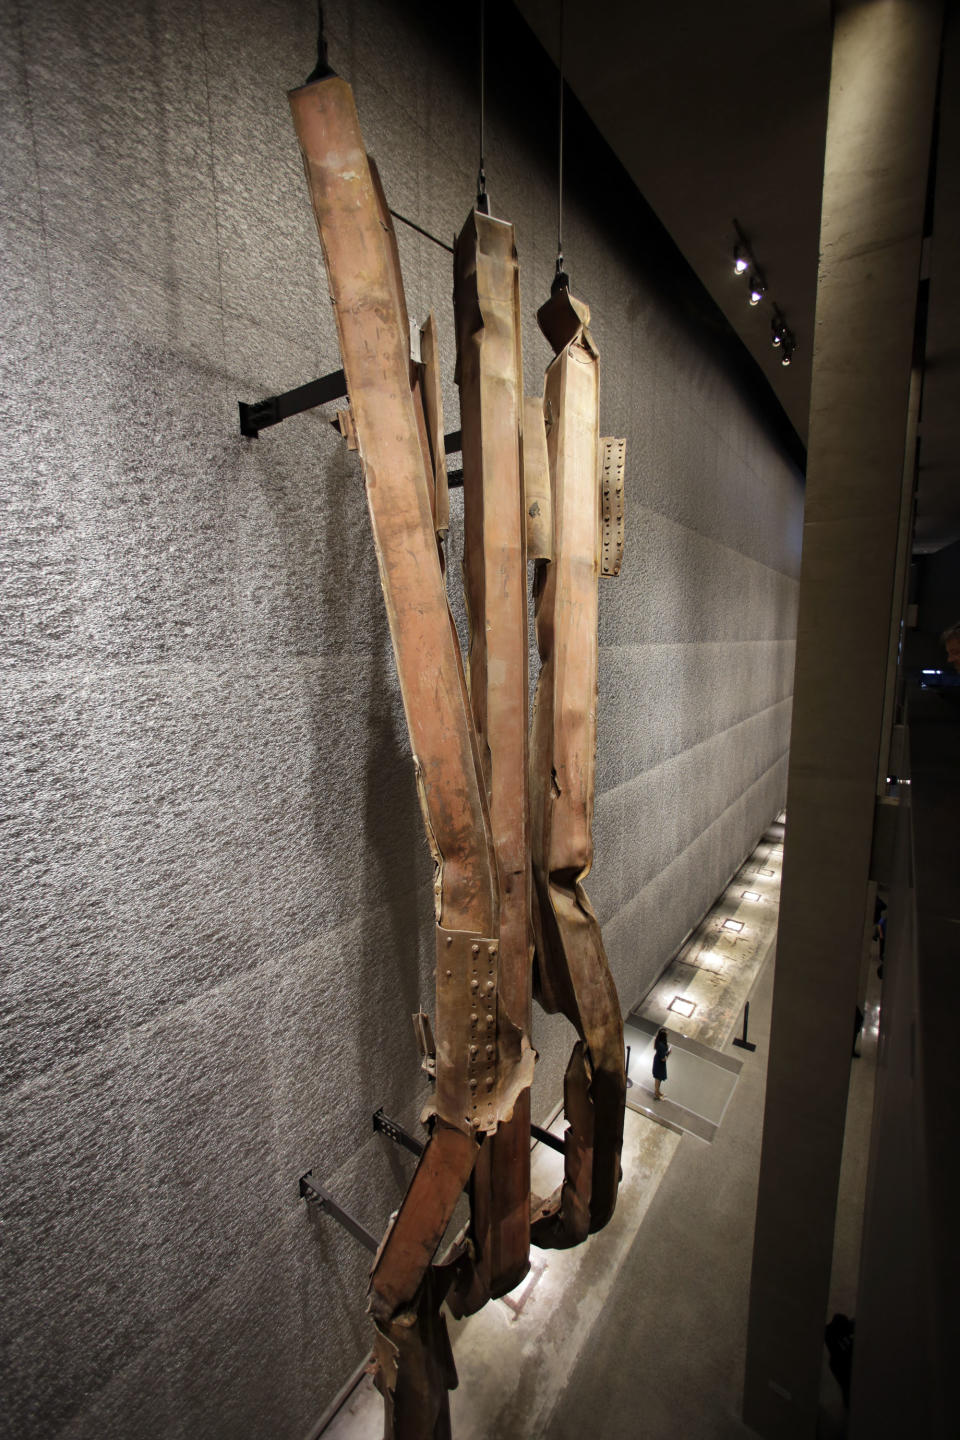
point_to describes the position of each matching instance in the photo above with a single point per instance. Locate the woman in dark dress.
(661, 1049)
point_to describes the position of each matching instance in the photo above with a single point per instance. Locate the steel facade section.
(490, 376)
(572, 974)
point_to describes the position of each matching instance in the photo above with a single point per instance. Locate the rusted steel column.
(486, 297)
(571, 971)
(415, 1369)
(483, 1062)
(363, 286)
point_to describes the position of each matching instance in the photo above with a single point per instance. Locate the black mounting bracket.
(742, 1040)
(399, 1136)
(256, 417)
(395, 1132)
(545, 1138)
(452, 444)
(314, 1194)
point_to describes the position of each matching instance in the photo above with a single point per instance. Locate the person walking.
(661, 1049)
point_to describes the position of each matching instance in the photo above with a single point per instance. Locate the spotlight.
(782, 337)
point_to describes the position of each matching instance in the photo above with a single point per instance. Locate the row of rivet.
(482, 992)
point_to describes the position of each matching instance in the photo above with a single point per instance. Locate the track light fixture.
(782, 337)
(743, 261)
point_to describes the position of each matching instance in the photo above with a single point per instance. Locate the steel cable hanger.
(483, 199)
(561, 279)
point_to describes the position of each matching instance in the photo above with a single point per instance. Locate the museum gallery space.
(219, 906)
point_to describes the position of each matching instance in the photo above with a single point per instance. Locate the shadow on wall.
(396, 845)
(395, 861)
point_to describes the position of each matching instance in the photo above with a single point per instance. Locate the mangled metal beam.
(532, 484)
(476, 1089)
(486, 297)
(571, 973)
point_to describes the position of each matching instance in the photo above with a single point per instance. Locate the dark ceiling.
(719, 112)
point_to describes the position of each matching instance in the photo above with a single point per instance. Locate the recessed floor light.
(766, 872)
(751, 895)
(736, 925)
(682, 1006)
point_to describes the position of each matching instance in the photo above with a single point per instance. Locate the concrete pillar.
(882, 89)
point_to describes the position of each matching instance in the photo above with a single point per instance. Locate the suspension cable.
(560, 278)
(483, 200)
(560, 151)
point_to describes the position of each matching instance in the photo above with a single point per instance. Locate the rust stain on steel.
(486, 297)
(571, 973)
(415, 1366)
(408, 1248)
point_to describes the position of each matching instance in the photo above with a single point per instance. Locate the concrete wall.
(216, 905)
(939, 591)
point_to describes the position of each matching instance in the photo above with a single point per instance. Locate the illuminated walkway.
(700, 998)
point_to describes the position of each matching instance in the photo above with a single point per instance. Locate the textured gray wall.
(216, 899)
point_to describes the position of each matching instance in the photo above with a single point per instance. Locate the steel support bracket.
(545, 1138)
(314, 1194)
(395, 1132)
(262, 413)
(256, 417)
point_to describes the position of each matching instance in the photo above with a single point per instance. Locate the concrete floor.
(641, 1333)
(667, 1358)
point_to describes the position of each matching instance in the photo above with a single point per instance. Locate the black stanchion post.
(742, 1040)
